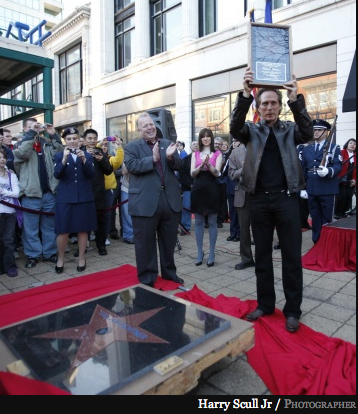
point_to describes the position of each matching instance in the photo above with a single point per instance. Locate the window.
(17, 94)
(125, 125)
(124, 42)
(321, 96)
(166, 25)
(71, 75)
(122, 4)
(213, 113)
(216, 15)
(36, 89)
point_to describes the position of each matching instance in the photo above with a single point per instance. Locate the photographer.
(102, 167)
(116, 157)
(75, 208)
(33, 161)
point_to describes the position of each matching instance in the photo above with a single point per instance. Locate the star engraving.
(104, 329)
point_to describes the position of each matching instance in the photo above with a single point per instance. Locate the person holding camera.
(102, 168)
(112, 146)
(75, 210)
(33, 162)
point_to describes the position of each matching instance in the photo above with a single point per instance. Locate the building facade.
(114, 60)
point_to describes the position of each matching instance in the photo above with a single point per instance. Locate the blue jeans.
(126, 217)
(7, 241)
(186, 214)
(34, 224)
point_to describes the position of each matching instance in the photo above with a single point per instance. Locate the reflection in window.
(17, 94)
(121, 4)
(166, 25)
(71, 75)
(321, 96)
(36, 89)
(125, 125)
(124, 42)
(216, 15)
(213, 113)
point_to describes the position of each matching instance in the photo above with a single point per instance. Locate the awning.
(349, 97)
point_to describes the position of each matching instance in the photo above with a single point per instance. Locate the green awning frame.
(27, 66)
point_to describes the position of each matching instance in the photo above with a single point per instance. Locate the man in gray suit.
(241, 202)
(155, 202)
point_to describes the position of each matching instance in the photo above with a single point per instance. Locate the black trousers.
(164, 226)
(223, 214)
(280, 211)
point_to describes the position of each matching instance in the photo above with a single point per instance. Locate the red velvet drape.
(335, 251)
(304, 363)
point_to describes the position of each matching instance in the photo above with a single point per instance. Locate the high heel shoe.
(210, 264)
(200, 262)
(59, 269)
(81, 268)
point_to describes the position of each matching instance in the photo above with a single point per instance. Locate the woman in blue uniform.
(75, 210)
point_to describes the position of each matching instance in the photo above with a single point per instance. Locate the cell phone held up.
(111, 139)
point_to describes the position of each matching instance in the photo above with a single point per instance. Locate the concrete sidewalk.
(329, 304)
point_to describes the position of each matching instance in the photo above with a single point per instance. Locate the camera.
(111, 139)
(97, 151)
(74, 150)
(43, 126)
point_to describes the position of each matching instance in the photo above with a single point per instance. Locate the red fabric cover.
(335, 251)
(12, 384)
(290, 364)
(26, 304)
(301, 363)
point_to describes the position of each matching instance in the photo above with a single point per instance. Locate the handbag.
(16, 202)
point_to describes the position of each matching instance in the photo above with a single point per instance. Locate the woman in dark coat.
(75, 210)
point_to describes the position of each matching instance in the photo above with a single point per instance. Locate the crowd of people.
(270, 178)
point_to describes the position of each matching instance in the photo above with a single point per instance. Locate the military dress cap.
(321, 124)
(69, 131)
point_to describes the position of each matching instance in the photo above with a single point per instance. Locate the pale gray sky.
(70, 5)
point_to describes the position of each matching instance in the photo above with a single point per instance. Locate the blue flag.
(252, 15)
(268, 11)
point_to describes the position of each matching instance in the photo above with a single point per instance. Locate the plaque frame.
(272, 68)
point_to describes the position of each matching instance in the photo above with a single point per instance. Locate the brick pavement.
(329, 304)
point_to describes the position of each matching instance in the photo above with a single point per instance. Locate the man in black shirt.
(272, 176)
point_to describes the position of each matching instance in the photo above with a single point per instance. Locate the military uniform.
(321, 189)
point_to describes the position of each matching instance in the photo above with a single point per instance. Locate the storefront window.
(125, 125)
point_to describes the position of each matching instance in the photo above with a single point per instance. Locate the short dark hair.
(345, 145)
(209, 133)
(7, 130)
(90, 131)
(24, 122)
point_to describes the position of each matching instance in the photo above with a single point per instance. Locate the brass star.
(105, 328)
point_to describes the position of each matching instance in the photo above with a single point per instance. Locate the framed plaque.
(270, 54)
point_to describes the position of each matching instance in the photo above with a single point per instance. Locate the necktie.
(317, 149)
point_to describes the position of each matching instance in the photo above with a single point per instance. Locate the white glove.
(304, 194)
(322, 171)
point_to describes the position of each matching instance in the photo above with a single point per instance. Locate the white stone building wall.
(314, 24)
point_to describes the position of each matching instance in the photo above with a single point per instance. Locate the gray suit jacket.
(145, 182)
(236, 165)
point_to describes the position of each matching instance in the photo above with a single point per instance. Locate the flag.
(256, 118)
(268, 11)
(252, 14)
